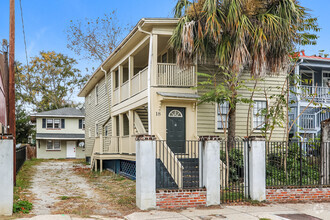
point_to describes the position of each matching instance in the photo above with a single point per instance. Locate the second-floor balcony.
(307, 93)
(167, 75)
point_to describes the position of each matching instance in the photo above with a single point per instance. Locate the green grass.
(24, 177)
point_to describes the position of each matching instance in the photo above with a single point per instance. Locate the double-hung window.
(222, 111)
(57, 123)
(259, 118)
(50, 123)
(53, 145)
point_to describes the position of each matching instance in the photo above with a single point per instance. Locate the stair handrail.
(138, 124)
(96, 140)
(178, 166)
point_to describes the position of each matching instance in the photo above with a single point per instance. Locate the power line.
(26, 56)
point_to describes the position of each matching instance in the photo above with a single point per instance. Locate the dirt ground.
(69, 187)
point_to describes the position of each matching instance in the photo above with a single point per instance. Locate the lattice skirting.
(128, 168)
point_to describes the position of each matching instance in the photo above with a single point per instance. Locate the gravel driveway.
(56, 189)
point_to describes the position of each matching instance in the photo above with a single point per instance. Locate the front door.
(71, 149)
(176, 129)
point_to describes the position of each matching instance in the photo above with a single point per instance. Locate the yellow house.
(139, 89)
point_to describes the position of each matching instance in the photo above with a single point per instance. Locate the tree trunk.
(231, 125)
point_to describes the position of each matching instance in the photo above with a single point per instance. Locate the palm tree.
(253, 35)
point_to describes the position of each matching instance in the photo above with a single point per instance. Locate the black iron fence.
(297, 164)
(234, 172)
(20, 157)
(177, 164)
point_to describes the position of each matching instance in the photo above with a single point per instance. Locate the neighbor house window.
(258, 116)
(81, 123)
(50, 123)
(53, 145)
(222, 111)
(56, 123)
(96, 94)
(53, 123)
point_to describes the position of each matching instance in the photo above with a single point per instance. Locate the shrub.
(22, 207)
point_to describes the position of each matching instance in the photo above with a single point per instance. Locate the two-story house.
(310, 96)
(139, 89)
(60, 133)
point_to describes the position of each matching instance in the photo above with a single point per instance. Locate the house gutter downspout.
(149, 77)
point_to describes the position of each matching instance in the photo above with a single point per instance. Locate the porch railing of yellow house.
(139, 81)
(170, 74)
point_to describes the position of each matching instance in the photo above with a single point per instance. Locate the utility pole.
(11, 95)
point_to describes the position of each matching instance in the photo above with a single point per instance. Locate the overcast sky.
(46, 21)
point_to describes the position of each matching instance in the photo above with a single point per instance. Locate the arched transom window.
(175, 114)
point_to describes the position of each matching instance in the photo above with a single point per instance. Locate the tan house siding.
(42, 153)
(71, 126)
(206, 113)
(97, 113)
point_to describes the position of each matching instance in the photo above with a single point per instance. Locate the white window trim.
(216, 130)
(256, 130)
(96, 129)
(324, 71)
(53, 145)
(89, 132)
(53, 127)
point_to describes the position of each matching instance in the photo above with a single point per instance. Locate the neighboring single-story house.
(60, 133)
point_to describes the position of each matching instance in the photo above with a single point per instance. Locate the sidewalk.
(308, 211)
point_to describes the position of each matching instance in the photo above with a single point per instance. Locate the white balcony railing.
(124, 92)
(140, 81)
(169, 74)
(116, 96)
(321, 93)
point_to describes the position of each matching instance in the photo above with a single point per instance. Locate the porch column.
(146, 172)
(131, 131)
(120, 80)
(130, 73)
(210, 160)
(257, 168)
(154, 61)
(121, 132)
(113, 134)
(112, 75)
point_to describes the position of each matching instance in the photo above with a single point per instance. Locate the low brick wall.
(298, 195)
(176, 199)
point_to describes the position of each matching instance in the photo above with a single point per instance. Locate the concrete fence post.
(7, 177)
(257, 168)
(210, 152)
(146, 172)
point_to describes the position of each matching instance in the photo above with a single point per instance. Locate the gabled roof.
(63, 113)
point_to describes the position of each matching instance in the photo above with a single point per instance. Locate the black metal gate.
(20, 157)
(234, 176)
